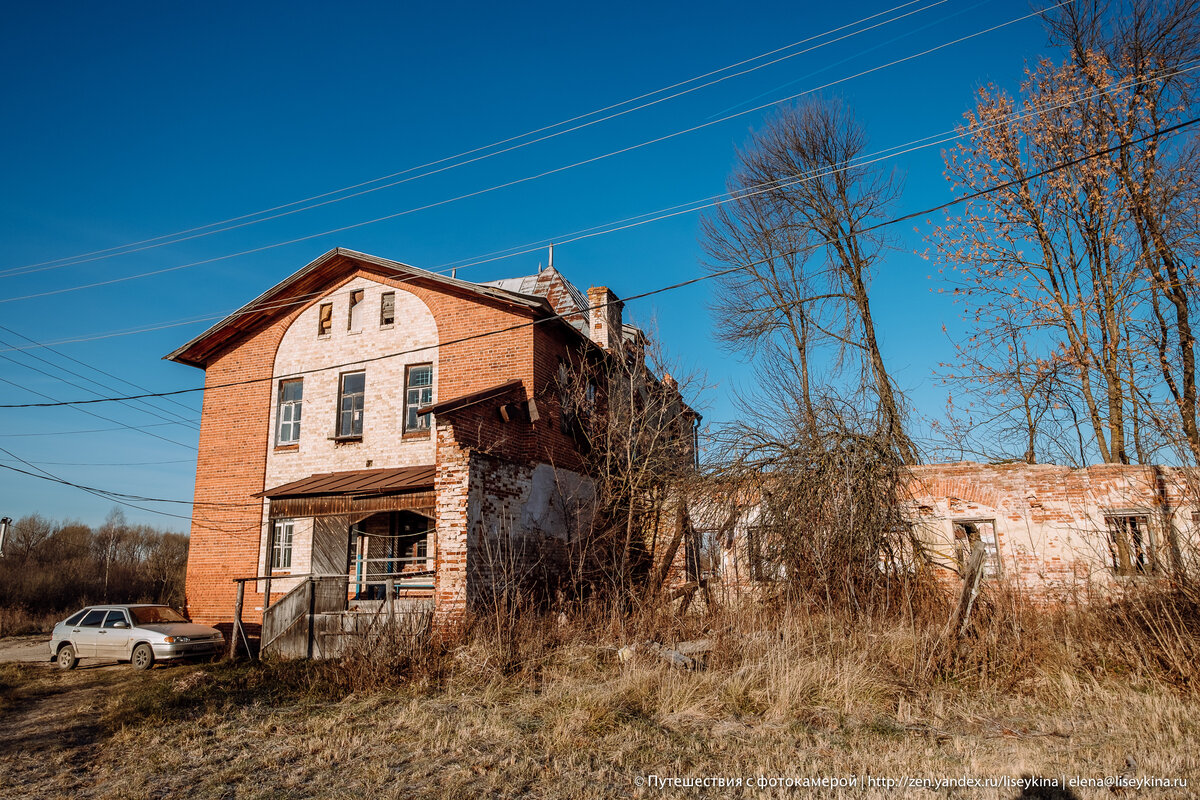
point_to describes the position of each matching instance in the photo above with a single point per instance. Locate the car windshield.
(153, 615)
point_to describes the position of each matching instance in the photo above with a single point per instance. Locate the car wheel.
(66, 657)
(143, 657)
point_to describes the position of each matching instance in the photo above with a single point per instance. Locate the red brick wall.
(235, 431)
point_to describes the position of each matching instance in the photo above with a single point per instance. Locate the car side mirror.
(120, 624)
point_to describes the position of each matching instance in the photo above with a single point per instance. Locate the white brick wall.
(382, 444)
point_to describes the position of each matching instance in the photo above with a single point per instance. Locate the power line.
(150, 243)
(143, 405)
(141, 430)
(518, 181)
(106, 463)
(92, 367)
(80, 433)
(643, 218)
(650, 293)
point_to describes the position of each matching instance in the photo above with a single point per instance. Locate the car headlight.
(177, 639)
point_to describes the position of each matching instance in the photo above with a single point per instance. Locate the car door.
(113, 639)
(86, 634)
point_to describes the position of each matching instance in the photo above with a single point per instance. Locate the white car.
(140, 634)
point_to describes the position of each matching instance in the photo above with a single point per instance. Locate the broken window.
(281, 544)
(387, 308)
(350, 405)
(969, 532)
(353, 318)
(418, 386)
(291, 396)
(765, 564)
(325, 319)
(1130, 544)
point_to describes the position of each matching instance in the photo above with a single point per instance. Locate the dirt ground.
(24, 648)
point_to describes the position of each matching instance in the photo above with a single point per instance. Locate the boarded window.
(418, 394)
(350, 405)
(387, 308)
(291, 396)
(1130, 544)
(325, 319)
(354, 317)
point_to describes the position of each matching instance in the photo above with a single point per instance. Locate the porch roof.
(357, 482)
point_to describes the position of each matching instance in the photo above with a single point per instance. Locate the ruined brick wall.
(502, 525)
(1051, 526)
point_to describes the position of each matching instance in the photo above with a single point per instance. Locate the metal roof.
(357, 482)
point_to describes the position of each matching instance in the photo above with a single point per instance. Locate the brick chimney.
(605, 323)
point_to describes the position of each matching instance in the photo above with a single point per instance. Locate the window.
(419, 393)
(353, 318)
(1130, 544)
(387, 308)
(93, 618)
(325, 319)
(73, 620)
(291, 395)
(281, 545)
(350, 405)
(966, 534)
(114, 617)
(156, 615)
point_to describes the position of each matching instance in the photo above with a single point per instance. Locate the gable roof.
(312, 277)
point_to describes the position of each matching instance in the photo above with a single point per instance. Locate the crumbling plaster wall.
(1052, 538)
(503, 525)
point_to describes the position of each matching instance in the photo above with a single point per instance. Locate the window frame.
(384, 321)
(1139, 556)
(325, 319)
(339, 434)
(410, 408)
(354, 310)
(992, 564)
(281, 547)
(296, 409)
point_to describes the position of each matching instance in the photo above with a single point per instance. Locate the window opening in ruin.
(325, 319)
(969, 531)
(1130, 543)
(387, 308)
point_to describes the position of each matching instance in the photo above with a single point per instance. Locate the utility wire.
(192, 233)
(643, 218)
(525, 179)
(661, 290)
(142, 406)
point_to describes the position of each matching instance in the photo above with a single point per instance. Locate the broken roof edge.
(180, 354)
(472, 398)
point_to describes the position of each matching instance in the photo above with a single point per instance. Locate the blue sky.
(130, 121)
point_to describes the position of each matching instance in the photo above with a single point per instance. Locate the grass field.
(553, 712)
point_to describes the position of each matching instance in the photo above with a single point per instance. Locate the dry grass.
(788, 693)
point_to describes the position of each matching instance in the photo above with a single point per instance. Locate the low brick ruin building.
(388, 428)
(1050, 532)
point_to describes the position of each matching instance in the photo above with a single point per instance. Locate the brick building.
(1052, 532)
(362, 419)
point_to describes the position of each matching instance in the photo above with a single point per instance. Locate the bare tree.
(794, 258)
(1083, 272)
(637, 436)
